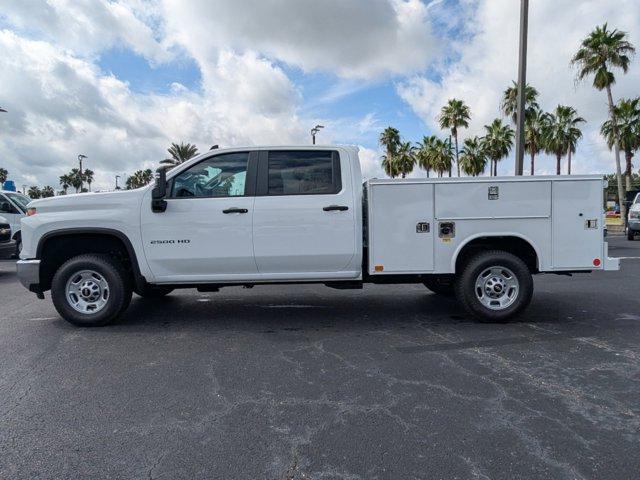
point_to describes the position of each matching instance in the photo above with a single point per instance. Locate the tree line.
(555, 133)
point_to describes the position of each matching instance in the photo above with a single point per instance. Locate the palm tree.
(455, 114)
(389, 166)
(425, 152)
(442, 156)
(627, 126)
(405, 159)
(598, 54)
(87, 176)
(474, 157)
(76, 180)
(139, 179)
(574, 134)
(497, 142)
(47, 192)
(390, 140)
(534, 129)
(561, 134)
(180, 154)
(34, 192)
(3, 175)
(65, 182)
(509, 103)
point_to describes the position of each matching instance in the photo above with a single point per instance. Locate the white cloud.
(86, 27)
(356, 38)
(488, 62)
(60, 105)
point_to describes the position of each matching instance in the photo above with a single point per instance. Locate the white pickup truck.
(260, 215)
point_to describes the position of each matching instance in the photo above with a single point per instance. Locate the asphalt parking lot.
(300, 382)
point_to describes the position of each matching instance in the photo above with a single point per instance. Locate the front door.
(304, 218)
(205, 234)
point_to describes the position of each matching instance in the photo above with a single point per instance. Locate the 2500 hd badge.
(162, 242)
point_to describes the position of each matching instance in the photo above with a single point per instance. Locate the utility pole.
(522, 82)
(314, 132)
(80, 158)
(117, 177)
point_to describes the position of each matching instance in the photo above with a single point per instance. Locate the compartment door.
(576, 240)
(402, 228)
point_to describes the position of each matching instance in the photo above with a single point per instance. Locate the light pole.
(522, 82)
(80, 158)
(314, 132)
(117, 177)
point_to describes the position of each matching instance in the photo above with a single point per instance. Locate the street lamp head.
(3, 110)
(81, 156)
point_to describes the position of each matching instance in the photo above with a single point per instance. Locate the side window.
(218, 176)
(305, 172)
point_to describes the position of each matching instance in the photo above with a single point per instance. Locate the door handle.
(340, 208)
(235, 210)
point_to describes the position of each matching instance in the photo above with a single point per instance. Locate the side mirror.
(159, 192)
(5, 207)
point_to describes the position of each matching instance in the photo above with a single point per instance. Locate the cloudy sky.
(118, 80)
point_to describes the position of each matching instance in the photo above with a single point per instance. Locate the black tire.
(631, 234)
(117, 279)
(440, 284)
(18, 240)
(465, 286)
(150, 291)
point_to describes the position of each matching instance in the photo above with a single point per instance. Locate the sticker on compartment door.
(494, 193)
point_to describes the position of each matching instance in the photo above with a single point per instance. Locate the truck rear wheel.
(494, 286)
(91, 290)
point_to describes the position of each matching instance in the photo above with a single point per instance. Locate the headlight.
(635, 214)
(31, 211)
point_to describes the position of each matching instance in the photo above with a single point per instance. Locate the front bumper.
(634, 225)
(7, 249)
(29, 274)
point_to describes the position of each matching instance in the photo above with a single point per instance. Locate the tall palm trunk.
(533, 156)
(455, 138)
(558, 163)
(569, 162)
(621, 192)
(628, 155)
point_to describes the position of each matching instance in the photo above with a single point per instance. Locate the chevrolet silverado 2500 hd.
(259, 215)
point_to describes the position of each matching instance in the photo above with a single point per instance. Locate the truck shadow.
(299, 314)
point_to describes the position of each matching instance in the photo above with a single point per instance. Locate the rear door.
(304, 213)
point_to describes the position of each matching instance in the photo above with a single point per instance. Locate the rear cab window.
(300, 172)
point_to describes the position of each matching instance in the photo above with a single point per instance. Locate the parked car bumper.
(29, 274)
(634, 225)
(7, 249)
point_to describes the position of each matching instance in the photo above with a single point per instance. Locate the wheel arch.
(103, 240)
(515, 243)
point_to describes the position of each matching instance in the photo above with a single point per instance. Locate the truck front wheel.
(494, 286)
(91, 290)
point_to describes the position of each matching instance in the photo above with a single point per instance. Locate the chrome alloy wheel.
(497, 288)
(87, 291)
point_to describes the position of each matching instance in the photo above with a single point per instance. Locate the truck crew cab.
(259, 215)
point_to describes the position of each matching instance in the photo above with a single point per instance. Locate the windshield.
(20, 200)
(637, 200)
